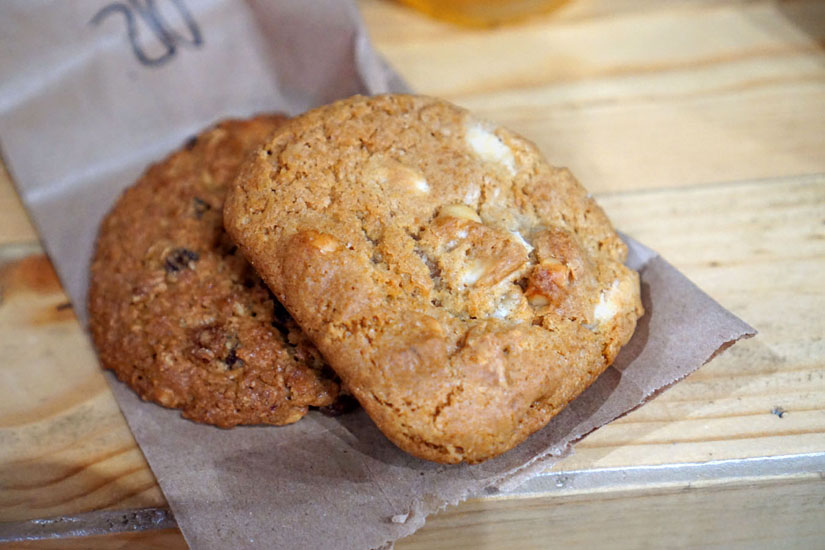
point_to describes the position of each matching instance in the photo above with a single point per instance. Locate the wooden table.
(700, 127)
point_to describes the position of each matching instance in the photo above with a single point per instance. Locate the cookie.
(178, 313)
(463, 289)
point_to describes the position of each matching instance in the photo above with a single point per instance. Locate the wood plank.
(733, 90)
(757, 247)
(162, 539)
(15, 226)
(778, 513)
(742, 516)
(653, 95)
(64, 446)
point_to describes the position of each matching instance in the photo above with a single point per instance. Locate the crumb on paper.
(778, 411)
(400, 518)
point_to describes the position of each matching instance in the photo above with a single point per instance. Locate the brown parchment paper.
(93, 90)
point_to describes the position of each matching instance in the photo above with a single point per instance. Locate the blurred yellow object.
(483, 13)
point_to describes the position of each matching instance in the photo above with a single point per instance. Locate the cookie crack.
(446, 402)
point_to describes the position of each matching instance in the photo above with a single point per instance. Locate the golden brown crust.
(177, 312)
(464, 290)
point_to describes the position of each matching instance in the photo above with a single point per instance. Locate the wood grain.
(14, 223)
(639, 95)
(163, 539)
(746, 516)
(64, 446)
(72, 448)
(759, 249)
(751, 515)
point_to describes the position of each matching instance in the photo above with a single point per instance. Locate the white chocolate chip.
(507, 304)
(473, 273)
(489, 147)
(392, 175)
(608, 304)
(420, 184)
(472, 194)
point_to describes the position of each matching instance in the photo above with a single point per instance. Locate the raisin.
(200, 207)
(343, 405)
(191, 142)
(232, 360)
(179, 259)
